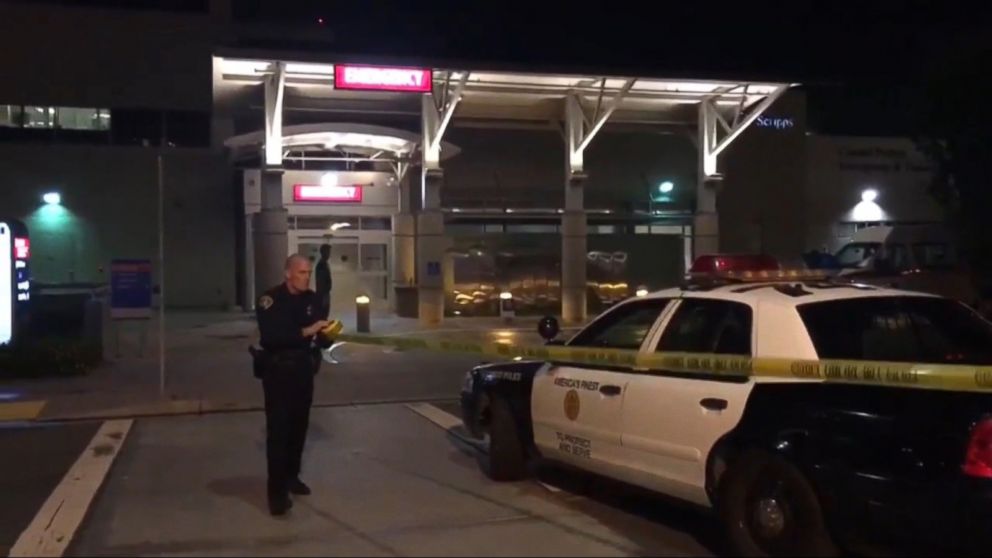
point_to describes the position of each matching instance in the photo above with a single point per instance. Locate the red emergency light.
(725, 263)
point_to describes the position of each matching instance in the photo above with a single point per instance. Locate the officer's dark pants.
(288, 396)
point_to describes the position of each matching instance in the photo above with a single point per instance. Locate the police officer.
(288, 321)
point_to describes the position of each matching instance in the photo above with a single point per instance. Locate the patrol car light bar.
(774, 275)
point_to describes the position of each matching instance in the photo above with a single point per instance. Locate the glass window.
(898, 329)
(376, 224)
(373, 257)
(531, 228)
(80, 119)
(855, 253)
(893, 258)
(10, 116)
(331, 223)
(464, 228)
(933, 255)
(39, 117)
(709, 326)
(624, 327)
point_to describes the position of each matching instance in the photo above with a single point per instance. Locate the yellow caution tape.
(951, 377)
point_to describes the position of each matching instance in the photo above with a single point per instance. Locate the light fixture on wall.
(52, 198)
(868, 210)
(666, 187)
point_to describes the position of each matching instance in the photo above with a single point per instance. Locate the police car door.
(576, 409)
(671, 420)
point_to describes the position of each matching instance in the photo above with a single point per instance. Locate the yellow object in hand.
(332, 330)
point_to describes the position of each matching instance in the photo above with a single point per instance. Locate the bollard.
(506, 306)
(362, 304)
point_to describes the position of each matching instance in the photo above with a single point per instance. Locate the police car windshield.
(898, 329)
(853, 254)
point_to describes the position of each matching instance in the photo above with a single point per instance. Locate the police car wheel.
(770, 509)
(507, 458)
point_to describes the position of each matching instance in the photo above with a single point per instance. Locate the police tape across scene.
(952, 377)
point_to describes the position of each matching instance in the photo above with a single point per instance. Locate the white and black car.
(791, 466)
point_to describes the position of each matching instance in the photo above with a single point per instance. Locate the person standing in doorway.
(323, 280)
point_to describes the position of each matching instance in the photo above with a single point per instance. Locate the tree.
(956, 134)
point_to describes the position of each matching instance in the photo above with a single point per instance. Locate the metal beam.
(275, 89)
(430, 150)
(449, 111)
(743, 124)
(614, 105)
(573, 133)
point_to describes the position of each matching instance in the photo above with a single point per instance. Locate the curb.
(189, 407)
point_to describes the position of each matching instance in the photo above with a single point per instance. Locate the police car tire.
(754, 472)
(507, 458)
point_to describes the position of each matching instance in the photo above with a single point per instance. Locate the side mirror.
(548, 328)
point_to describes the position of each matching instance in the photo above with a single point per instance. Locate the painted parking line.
(55, 524)
(449, 422)
(439, 417)
(20, 410)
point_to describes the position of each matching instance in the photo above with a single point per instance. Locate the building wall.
(761, 203)
(527, 167)
(841, 168)
(109, 210)
(57, 55)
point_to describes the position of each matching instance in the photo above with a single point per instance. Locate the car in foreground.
(791, 466)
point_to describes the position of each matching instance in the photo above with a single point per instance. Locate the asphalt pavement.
(33, 460)
(386, 482)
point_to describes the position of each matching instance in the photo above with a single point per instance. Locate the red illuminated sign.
(335, 194)
(22, 248)
(379, 78)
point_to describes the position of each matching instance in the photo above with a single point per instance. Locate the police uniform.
(290, 363)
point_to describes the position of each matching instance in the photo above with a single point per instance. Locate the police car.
(791, 466)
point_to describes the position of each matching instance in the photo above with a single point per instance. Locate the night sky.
(866, 65)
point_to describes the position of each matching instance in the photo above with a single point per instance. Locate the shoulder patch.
(265, 302)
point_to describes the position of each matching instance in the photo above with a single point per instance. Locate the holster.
(261, 361)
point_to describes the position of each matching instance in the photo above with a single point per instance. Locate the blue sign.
(131, 289)
(433, 269)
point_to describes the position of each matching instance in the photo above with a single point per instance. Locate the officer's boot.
(279, 504)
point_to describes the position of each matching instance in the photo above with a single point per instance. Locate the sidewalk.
(207, 368)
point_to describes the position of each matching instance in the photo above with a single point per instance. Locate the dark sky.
(887, 41)
(865, 64)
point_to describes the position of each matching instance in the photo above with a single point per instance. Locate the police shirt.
(282, 317)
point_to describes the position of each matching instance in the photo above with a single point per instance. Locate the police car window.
(709, 326)
(898, 329)
(624, 327)
(950, 332)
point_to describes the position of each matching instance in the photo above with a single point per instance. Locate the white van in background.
(913, 257)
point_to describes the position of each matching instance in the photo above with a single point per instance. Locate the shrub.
(48, 357)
